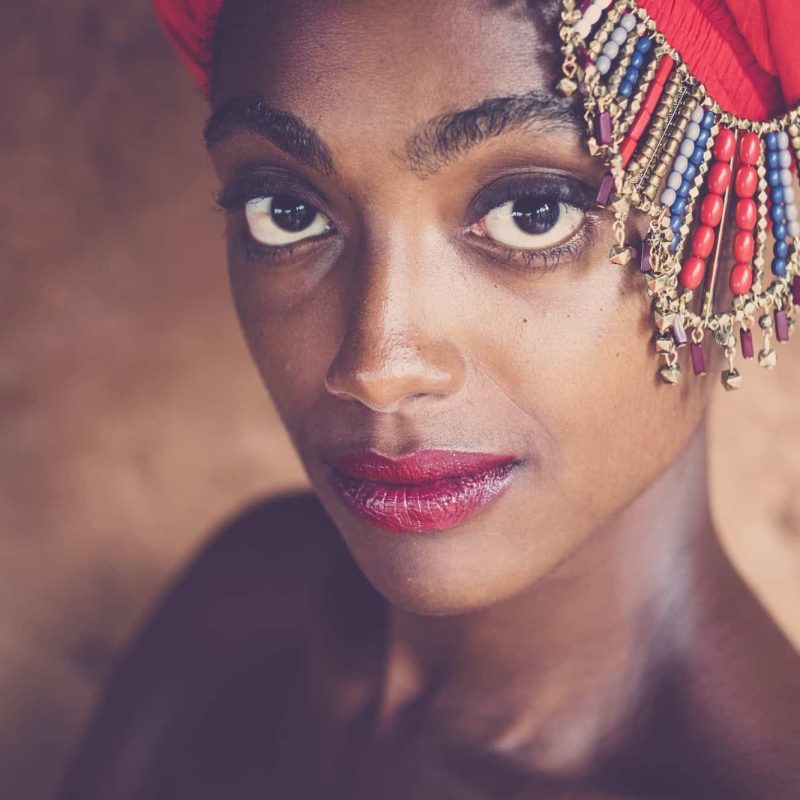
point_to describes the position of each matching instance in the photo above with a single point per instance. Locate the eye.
(530, 223)
(281, 220)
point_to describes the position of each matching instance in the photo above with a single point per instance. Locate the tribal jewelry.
(701, 174)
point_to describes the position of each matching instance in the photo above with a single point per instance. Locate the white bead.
(628, 22)
(783, 140)
(603, 64)
(698, 114)
(674, 180)
(687, 148)
(789, 195)
(611, 50)
(604, 4)
(680, 164)
(619, 36)
(692, 131)
(582, 28)
(784, 159)
(786, 177)
(592, 14)
(791, 212)
(794, 229)
(668, 197)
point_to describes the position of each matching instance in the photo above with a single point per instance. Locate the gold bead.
(567, 86)
(731, 379)
(767, 359)
(670, 374)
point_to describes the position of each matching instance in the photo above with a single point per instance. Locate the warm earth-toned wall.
(131, 420)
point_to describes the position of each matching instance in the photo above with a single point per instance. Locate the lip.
(428, 490)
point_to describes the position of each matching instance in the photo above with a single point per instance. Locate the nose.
(393, 352)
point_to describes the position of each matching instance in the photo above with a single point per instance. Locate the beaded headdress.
(721, 257)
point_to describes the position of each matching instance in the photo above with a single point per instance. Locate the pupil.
(535, 216)
(291, 214)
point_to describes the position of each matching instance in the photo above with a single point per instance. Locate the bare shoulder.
(233, 632)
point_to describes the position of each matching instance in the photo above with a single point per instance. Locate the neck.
(544, 676)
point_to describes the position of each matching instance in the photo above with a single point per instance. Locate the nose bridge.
(392, 349)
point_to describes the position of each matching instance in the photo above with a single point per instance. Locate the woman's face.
(427, 270)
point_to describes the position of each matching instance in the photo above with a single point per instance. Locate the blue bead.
(637, 61)
(774, 159)
(779, 267)
(684, 188)
(697, 158)
(678, 208)
(781, 249)
(776, 195)
(702, 138)
(675, 243)
(690, 172)
(708, 120)
(772, 140)
(780, 231)
(644, 45)
(631, 74)
(626, 90)
(774, 177)
(777, 214)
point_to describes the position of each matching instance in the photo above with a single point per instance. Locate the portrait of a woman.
(491, 260)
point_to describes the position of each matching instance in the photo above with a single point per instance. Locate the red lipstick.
(429, 490)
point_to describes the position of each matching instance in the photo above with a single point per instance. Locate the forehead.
(330, 61)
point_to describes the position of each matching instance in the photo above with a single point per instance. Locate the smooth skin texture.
(582, 637)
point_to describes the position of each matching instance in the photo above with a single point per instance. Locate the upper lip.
(419, 467)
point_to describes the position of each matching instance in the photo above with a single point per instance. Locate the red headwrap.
(745, 52)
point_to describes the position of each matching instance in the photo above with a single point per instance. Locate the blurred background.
(132, 421)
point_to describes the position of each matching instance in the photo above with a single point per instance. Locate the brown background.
(131, 419)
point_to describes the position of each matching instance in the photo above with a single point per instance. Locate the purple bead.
(679, 332)
(585, 6)
(746, 338)
(698, 358)
(603, 128)
(781, 325)
(796, 290)
(584, 58)
(645, 264)
(606, 187)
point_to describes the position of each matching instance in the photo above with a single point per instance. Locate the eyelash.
(252, 185)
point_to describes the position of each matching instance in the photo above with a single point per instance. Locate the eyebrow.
(430, 147)
(443, 139)
(290, 134)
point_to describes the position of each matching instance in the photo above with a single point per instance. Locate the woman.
(507, 583)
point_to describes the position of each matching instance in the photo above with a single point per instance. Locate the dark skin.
(583, 637)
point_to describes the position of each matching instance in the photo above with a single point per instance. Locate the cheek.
(291, 347)
(583, 361)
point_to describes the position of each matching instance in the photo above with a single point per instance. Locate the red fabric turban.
(745, 52)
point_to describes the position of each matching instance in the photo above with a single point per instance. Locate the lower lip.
(434, 506)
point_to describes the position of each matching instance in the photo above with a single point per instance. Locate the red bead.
(703, 241)
(725, 145)
(749, 148)
(744, 246)
(692, 272)
(627, 149)
(719, 177)
(639, 124)
(746, 181)
(746, 214)
(711, 210)
(741, 278)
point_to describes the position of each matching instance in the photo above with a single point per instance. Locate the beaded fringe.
(696, 170)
